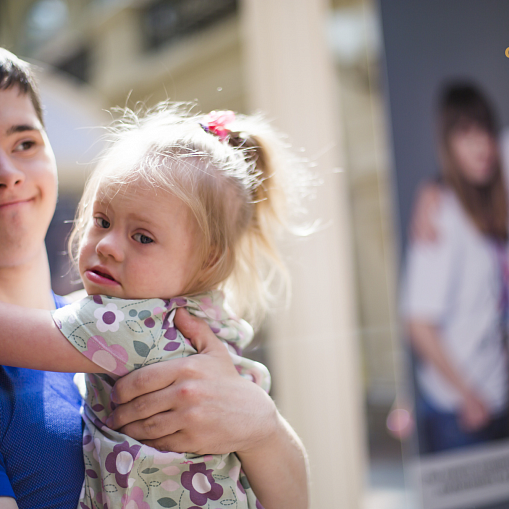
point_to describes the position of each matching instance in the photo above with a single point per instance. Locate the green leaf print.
(150, 471)
(167, 502)
(134, 326)
(141, 349)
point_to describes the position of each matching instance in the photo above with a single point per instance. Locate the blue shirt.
(41, 459)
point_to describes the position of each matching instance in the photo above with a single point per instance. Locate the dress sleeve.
(121, 335)
(5, 484)
(431, 270)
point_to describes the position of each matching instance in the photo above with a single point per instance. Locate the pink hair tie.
(217, 122)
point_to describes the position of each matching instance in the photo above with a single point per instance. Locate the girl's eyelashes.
(101, 222)
(142, 239)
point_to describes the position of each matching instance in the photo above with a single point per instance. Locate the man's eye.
(101, 222)
(24, 145)
(142, 239)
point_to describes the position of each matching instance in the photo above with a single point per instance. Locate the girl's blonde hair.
(240, 190)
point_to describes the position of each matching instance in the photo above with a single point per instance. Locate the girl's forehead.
(109, 188)
(140, 196)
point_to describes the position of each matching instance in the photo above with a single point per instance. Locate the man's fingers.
(147, 379)
(198, 332)
(142, 407)
(159, 425)
(176, 442)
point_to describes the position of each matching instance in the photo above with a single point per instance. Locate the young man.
(196, 404)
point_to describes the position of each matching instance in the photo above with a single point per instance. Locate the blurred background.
(317, 69)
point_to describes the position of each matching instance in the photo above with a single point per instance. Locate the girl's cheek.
(86, 248)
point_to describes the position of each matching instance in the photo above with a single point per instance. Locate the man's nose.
(10, 175)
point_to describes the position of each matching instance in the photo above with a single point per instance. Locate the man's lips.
(100, 276)
(12, 203)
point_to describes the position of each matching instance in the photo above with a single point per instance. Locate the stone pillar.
(314, 347)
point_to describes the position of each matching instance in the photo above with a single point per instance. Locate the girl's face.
(475, 152)
(142, 243)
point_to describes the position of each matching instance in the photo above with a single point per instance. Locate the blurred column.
(116, 45)
(314, 349)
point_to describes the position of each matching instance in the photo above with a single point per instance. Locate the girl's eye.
(24, 146)
(101, 222)
(142, 239)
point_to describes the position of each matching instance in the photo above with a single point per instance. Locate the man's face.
(28, 180)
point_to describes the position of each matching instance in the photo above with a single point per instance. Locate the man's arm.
(8, 503)
(200, 404)
(30, 339)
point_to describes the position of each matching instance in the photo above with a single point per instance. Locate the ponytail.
(281, 181)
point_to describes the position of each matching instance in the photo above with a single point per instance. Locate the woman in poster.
(455, 298)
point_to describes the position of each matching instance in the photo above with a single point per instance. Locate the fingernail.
(109, 421)
(113, 395)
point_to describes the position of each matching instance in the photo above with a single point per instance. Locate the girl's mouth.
(100, 277)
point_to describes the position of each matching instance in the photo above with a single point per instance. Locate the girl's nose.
(110, 247)
(10, 175)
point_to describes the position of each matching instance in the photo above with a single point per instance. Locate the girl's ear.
(213, 267)
(211, 260)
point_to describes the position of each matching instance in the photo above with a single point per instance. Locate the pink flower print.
(175, 302)
(200, 484)
(171, 332)
(104, 499)
(109, 317)
(241, 492)
(120, 462)
(210, 309)
(134, 500)
(163, 458)
(110, 357)
(88, 442)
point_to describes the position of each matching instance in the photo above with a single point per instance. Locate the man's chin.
(19, 250)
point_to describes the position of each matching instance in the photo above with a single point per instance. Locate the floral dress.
(124, 335)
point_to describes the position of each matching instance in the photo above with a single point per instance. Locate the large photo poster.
(447, 91)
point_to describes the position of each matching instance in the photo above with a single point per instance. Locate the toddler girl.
(180, 211)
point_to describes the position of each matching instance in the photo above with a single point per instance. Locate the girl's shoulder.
(451, 216)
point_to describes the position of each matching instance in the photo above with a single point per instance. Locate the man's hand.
(195, 404)
(200, 404)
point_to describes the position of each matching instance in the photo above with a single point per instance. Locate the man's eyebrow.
(21, 128)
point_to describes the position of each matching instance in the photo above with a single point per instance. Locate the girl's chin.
(481, 179)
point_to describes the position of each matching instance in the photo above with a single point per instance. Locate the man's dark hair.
(15, 72)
